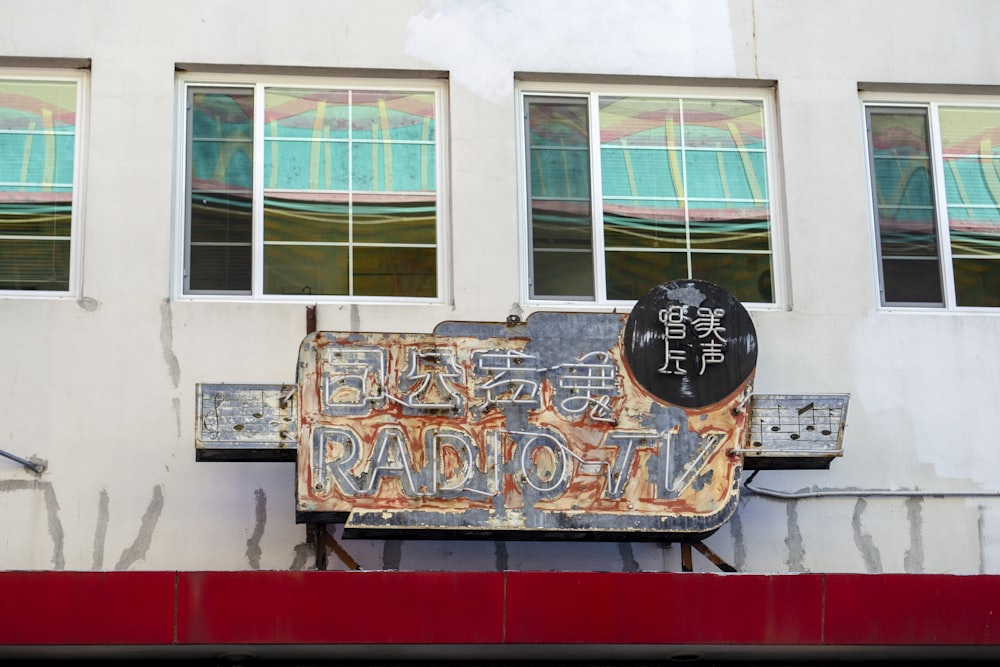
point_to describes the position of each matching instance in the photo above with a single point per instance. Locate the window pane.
(35, 213)
(220, 217)
(904, 205)
(220, 163)
(395, 115)
(639, 121)
(392, 167)
(403, 272)
(563, 273)
(911, 280)
(25, 104)
(560, 208)
(37, 158)
(972, 182)
(34, 264)
(222, 140)
(386, 218)
(729, 175)
(644, 224)
(222, 267)
(301, 269)
(964, 130)
(303, 220)
(747, 276)
(561, 224)
(306, 165)
(636, 172)
(973, 235)
(729, 226)
(724, 124)
(632, 274)
(977, 282)
(306, 113)
(37, 144)
(908, 232)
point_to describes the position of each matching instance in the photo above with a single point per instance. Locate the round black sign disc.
(690, 343)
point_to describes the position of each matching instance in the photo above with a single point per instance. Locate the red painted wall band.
(483, 608)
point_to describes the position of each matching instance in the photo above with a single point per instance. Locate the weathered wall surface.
(102, 386)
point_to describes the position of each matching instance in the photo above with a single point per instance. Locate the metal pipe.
(31, 465)
(862, 493)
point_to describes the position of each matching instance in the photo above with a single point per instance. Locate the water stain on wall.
(260, 519)
(140, 546)
(863, 540)
(51, 511)
(101, 532)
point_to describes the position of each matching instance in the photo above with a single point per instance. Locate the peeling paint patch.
(863, 540)
(392, 554)
(89, 304)
(137, 551)
(913, 560)
(482, 42)
(101, 532)
(629, 563)
(260, 519)
(503, 560)
(796, 552)
(167, 342)
(51, 511)
(703, 480)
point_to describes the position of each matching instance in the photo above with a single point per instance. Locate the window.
(935, 174)
(296, 188)
(39, 149)
(627, 189)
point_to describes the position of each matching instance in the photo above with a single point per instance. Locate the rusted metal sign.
(583, 426)
(543, 429)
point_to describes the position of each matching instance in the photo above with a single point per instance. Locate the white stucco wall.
(102, 385)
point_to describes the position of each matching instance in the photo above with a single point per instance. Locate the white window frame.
(81, 78)
(259, 83)
(932, 104)
(535, 89)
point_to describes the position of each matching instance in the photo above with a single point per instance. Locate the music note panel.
(795, 431)
(245, 422)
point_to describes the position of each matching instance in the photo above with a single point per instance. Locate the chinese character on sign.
(708, 325)
(675, 329)
(513, 379)
(353, 380)
(432, 381)
(707, 342)
(590, 383)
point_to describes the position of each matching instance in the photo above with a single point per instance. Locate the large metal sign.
(585, 426)
(542, 429)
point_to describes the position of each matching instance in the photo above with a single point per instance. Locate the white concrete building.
(165, 218)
